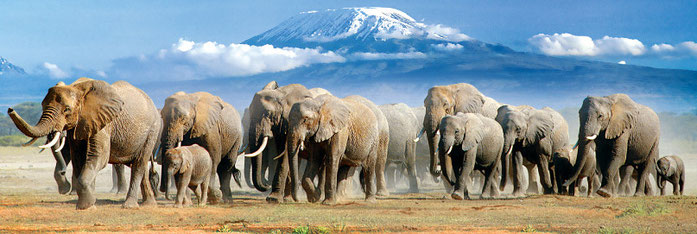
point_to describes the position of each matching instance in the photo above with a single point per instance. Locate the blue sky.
(91, 34)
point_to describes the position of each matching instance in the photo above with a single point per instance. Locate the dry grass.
(29, 203)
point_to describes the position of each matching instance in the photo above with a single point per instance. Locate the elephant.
(532, 135)
(449, 100)
(105, 123)
(267, 133)
(204, 119)
(671, 168)
(344, 133)
(564, 161)
(624, 133)
(470, 142)
(403, 126)
(191, 167)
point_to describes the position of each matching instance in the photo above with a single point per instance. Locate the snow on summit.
(358, 24)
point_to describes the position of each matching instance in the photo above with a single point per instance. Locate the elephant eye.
(67, 109)
(600, 116)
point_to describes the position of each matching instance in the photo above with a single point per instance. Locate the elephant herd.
(470, 139)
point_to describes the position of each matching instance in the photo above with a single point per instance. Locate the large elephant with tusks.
(105, 123)
(625, 133)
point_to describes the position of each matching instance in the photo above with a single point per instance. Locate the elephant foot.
(215, 197)
(413, 190)
(639, 194)
(383, 193)
(288, 198)
(604, 193)
(274, 199)
(130, 204)
(371, 200)
(518, 194)
(330, 201)
(122, 190)
(178, 206)
(73, 192)
(460, 196)
(149, 203)
(313, 198)
(92, 207)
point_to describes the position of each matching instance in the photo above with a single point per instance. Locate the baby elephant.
(191, 167)
(671, 168)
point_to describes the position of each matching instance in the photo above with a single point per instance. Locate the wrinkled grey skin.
(474, 142)
(268, 114)
(422, 153)
(671, 168)
(403, 127)
(105, 123)
(624, 133)
(532, 135)
(384, 139)
(341, 134)
(449, 100)
(191, 167)
(564, 161)
(204, 119)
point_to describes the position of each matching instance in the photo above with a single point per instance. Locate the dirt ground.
(29, 202)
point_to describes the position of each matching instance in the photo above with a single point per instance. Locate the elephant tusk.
(30, 142)
(42, 150)
(53, 142)
(449, 149)
(420, 134)
(590, 138)
(302, 145)
(261, 148)
(60, 147)
(509, 150)
(438, 132)
(179, 144)
(281, 155)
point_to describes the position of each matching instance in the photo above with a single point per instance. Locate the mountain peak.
(363, 24)
(7, 67)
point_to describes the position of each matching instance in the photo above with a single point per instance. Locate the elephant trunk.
(43, 128)
(257, 163)
(294, 178)
(59, 171)
(506, 160)
(583, 152)
(170, 140)
(446, 161)
(430, 125)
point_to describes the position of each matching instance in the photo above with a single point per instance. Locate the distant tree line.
(9, 134)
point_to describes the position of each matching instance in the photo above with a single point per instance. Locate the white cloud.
(197, 60)
(567, 44)
(447, 46)
(622, 62)
(54, 71)
(385, 56)
(442, 32)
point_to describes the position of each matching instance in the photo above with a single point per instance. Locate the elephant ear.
(540, 125)
(271, 85)
(208, 110)
(469, 99)
(333, 116)
(186, 160)
(474, 132)
(621, 117)
(502, 112)
(100, 105)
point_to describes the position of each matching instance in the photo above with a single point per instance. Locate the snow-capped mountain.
(365, 29)
(6, 68)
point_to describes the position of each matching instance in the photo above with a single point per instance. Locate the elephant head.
(464, 130)
(268, 115)
(315, 119)
(663, 167)
(612, 114)
(447, 100)
(178, 163)
(187, 115)
(523, 126)
(82, 108)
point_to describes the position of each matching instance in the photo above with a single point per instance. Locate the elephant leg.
(331, 166)
(390, 176)
(119, 173)
(533, 179)
(681, 183)
(517, 174)
(215, 195)
(545, 175)
(344, 182)
(662, 186)
(62, 181)
(311, 171)
(626, 172)
(490, 188)
(225, 175)
(204, 192)
(369, 173)
(182, 182)
(379, 168)
(461, 189)
(96, 155)
(611, 170)
(411, 167)
(643, 187)
(279, 181)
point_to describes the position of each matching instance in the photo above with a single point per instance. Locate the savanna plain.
(29, 202)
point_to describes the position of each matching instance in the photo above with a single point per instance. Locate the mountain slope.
(8, 68)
